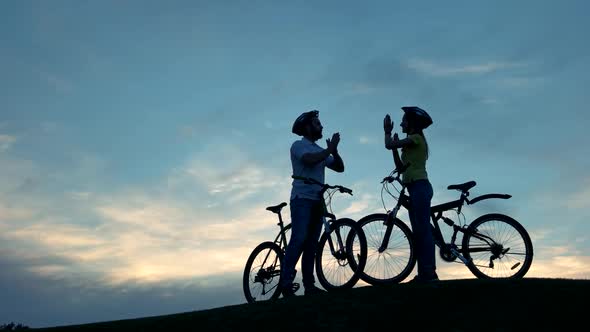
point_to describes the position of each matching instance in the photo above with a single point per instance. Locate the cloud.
(207, 215)
(365, 140)
(10, 212)
(437, 69)
(561, 266)
(49, 127)
(359, 207)
(235, 179)
(561, 261)
(141, 240)
(85, 298)
(157, 249)
(520, 82)
(6, 142)
(579, 199)
(59, 84)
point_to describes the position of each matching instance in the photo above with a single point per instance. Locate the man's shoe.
(289, 290)
(312, 290)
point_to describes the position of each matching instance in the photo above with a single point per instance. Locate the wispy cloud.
(49, 127)
(438, 69)
(579, 199)
(561, 266)
(141, 239)
(360, 206)
(6, 142)
(139, 234)
(9, 212)
(520, 82)
(365, 140)
(235, 179)
(58, 83)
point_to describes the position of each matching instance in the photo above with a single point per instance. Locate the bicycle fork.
(389, 227)
(338, 253)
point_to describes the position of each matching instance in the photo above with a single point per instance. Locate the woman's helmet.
(302, 121)
(418, 115)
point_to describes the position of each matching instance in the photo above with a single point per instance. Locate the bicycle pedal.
(296, 286)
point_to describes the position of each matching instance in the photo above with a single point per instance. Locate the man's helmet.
(302, 121)
(420, 117)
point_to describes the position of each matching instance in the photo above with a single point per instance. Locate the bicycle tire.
(341, 272)
(396, 262)
(518, 242)
(258, 276)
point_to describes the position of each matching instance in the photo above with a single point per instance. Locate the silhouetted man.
(308, 160)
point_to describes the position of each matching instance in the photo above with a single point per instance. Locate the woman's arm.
(396, 159)
(391, 143)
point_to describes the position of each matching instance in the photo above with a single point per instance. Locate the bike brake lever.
(345, 191)
(387, 179)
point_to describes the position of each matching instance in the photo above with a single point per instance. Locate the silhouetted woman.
(414, 154)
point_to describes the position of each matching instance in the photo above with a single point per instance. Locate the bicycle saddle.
(463, 186)
(276, 208)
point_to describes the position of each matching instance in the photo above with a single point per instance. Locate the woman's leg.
(420, 196)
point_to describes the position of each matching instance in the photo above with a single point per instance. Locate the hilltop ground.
(451, 305)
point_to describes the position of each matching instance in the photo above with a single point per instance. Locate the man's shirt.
(317, 172)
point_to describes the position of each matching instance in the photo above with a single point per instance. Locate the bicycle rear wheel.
(498, 247)
(389, 260)
(340, 269)
(263, 272)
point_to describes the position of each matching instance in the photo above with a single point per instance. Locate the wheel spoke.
(395, 262)
(509, 255)
(262, 273)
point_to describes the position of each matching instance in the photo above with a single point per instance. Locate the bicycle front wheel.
(341, 256)
(390, 253)
(497, 247)
(263, 272)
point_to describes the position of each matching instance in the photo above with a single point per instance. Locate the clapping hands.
(387, 124)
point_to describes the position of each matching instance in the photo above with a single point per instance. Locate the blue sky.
(140, 141)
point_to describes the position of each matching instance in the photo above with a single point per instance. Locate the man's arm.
(312, 158)
(337, 165)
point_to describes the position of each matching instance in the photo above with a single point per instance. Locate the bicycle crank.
(447, 255)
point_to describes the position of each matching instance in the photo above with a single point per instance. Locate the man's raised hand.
(333, 143)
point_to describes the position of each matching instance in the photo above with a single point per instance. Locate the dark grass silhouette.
(448, 305)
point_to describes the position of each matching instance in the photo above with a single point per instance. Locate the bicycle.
(494, 245)
(345, 242)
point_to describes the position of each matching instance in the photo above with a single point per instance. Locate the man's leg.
(311, 244)
(300, 215)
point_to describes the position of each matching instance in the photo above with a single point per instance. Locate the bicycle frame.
(281, 238)
(327, 215)
(436, 214)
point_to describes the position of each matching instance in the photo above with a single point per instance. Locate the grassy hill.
(451, 305)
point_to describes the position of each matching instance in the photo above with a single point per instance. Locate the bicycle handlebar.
(325, 186)
(396, 174)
